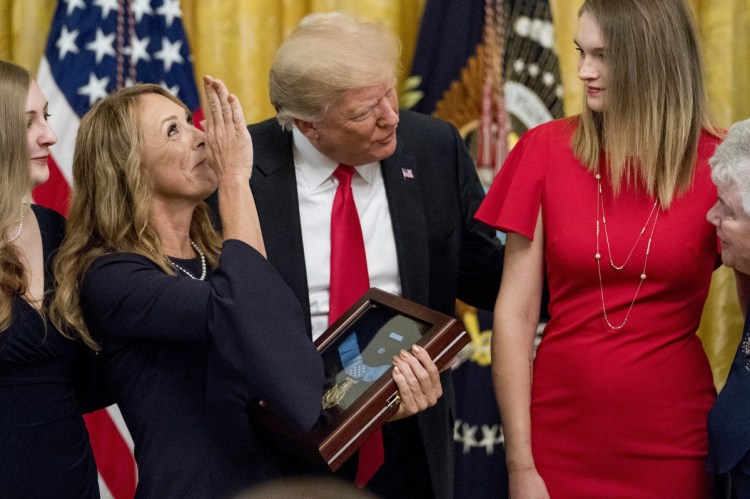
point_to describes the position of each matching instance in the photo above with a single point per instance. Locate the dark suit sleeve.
(481, 254)
(245, 312)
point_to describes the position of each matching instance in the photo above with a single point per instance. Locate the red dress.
(614, 413)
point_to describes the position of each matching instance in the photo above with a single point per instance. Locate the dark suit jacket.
(442, 251)
(728, 427)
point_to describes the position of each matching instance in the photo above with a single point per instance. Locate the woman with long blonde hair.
(609, 207)
(44, 445)
(192, 327)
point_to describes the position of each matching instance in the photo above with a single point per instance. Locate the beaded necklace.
(19, 221)
(598, 256)
(185, 271)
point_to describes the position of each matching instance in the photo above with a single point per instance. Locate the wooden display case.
(360, 394)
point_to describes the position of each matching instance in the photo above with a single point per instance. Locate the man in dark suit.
(415, 190)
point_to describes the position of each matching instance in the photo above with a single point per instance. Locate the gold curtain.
(235, 40)
(724, 30)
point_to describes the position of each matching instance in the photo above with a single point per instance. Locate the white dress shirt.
(316, 188)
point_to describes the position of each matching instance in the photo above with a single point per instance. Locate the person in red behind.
(610, 207)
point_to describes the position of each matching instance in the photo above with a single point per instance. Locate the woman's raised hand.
(228, 143)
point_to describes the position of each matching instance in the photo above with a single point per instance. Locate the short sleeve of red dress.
(512, 203)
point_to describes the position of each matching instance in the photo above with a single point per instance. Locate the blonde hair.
(656, 106)
(110, 208)
(15, 181)
(326, 55)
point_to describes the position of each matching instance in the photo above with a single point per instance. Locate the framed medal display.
(360, 394)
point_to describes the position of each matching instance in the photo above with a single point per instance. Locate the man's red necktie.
(349, 281)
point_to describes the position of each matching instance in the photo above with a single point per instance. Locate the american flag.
(95, 47)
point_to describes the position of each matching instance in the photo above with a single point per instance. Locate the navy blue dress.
(729, 421)
(44, 445)
(186, 358)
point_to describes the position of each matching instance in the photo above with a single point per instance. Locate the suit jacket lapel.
(409, 224)
(275, 190)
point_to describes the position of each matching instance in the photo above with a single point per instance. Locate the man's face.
(359, 126)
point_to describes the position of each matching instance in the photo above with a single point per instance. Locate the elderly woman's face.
(732, 228)
(173, 151)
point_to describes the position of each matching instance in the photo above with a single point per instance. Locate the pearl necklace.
(598, 256)
(185, 271)
(19, 221)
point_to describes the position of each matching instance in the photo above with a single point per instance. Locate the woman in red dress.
(609, 207)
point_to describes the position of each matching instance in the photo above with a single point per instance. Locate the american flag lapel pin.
(407, 173)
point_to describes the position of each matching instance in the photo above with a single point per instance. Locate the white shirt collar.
(314, 167)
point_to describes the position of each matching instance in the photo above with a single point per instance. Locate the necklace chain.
(19, 221)
(187, 272)
(598, 256)
(606, 232)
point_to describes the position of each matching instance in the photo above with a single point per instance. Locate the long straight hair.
(15, 182)
(655, 99)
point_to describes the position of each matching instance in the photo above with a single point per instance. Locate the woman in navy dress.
(44, 445)
(191, 328)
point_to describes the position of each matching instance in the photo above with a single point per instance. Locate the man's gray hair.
(324, 56)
